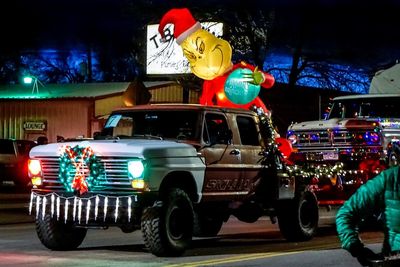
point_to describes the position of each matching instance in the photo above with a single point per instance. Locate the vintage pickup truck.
(359, 138)
(173, 171)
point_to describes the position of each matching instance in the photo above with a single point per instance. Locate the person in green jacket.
(380, 195)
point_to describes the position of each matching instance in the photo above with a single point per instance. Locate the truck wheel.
(167, 226)
(298, 217)
(56, 235)
(205, 225)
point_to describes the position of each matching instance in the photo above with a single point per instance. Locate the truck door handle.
(235, 152)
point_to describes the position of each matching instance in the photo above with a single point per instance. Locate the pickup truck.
(358, 139)
(172, 170)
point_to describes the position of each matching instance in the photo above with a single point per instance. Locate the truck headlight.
(371, 138)
(35, 171)
(292, 138)
(135, 171)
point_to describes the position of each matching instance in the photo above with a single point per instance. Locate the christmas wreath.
(79, 168)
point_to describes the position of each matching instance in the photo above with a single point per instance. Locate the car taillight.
(35, 171)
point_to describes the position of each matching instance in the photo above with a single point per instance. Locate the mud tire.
(167, 226)
(298, 217)
(57, 235)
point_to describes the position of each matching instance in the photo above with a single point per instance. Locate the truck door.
(223, 179)
(250, 147)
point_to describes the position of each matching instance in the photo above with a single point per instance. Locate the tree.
(319, 73)
(315, 34)
(253, 33)
(334, 45)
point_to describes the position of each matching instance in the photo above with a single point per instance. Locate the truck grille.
(311, 138)
(337, 138)
(113, 175)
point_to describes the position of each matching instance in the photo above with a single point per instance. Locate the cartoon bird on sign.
(225, 84)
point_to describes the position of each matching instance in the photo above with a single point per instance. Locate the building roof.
(75, 90)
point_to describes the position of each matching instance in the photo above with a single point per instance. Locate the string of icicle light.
(77, 204)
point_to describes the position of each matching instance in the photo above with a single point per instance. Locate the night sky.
(359, 31)
(351, 31)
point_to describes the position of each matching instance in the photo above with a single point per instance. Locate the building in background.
(75, 110)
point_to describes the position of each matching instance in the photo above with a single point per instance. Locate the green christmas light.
(73, 162)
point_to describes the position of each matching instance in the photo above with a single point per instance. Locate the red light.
(221, 96)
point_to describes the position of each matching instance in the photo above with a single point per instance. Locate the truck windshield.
(366, 107)
(179, 125)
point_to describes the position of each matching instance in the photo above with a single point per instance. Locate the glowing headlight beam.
(135, 168)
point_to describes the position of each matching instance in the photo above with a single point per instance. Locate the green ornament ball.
(238, 90)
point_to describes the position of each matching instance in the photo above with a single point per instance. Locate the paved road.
(238, 244)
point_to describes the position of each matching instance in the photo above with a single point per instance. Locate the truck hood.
(121, 148)
(334, 124)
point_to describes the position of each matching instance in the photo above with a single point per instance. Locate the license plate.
(330, 155)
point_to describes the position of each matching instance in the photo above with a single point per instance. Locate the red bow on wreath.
(79, 183)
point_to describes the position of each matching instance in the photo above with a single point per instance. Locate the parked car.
(14, 155)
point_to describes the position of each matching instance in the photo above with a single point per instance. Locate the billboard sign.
(167, 58)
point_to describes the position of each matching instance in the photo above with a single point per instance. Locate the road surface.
(238, 244)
